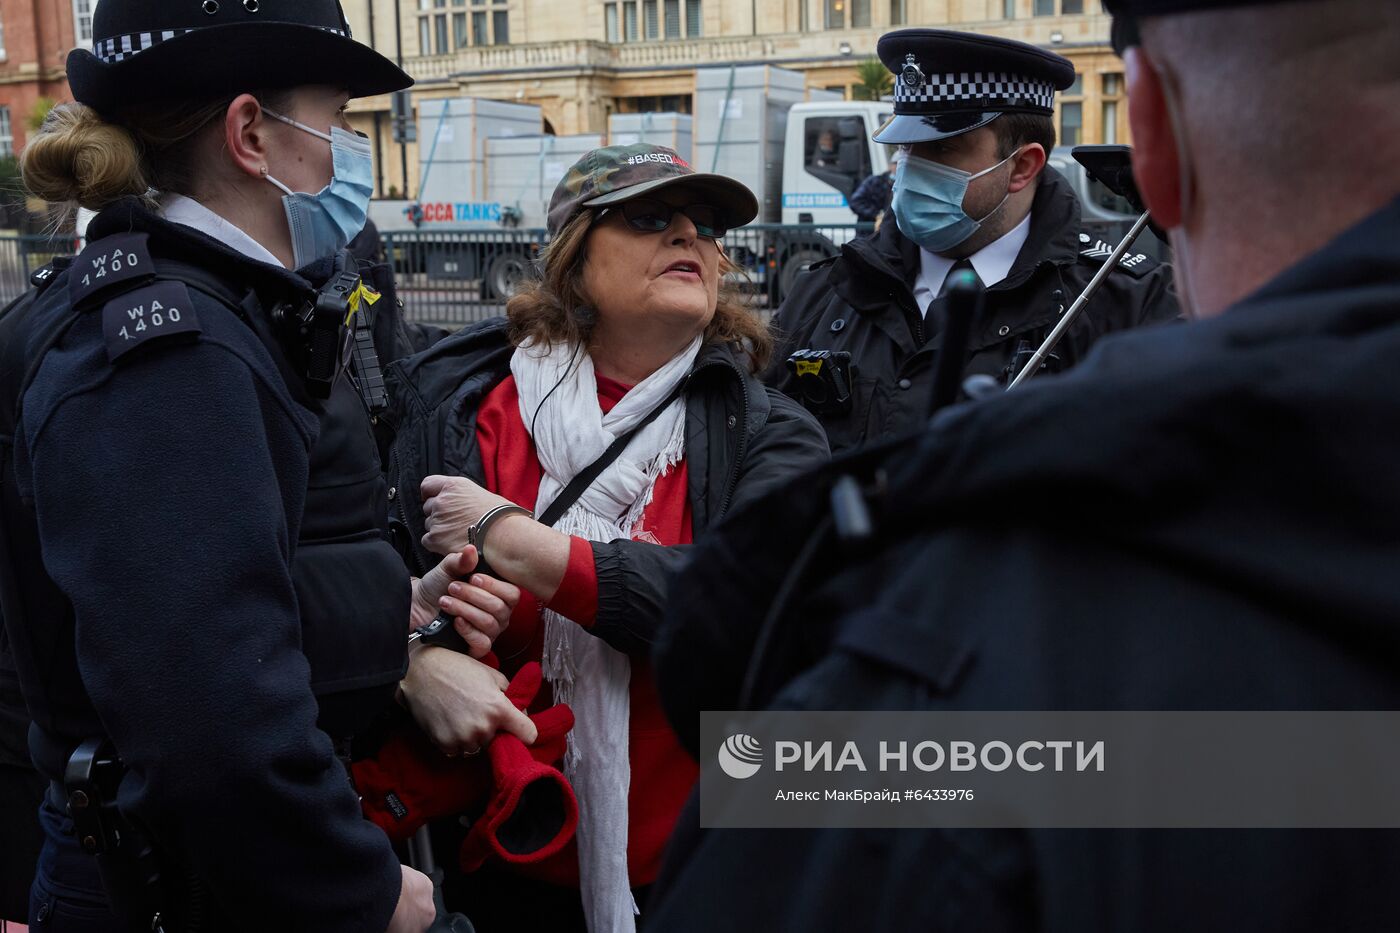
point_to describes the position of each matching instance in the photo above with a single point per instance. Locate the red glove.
(410, 783)
(532, 813)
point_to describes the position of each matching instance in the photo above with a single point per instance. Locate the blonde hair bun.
(77, 157)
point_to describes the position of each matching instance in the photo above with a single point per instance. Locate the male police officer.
(974, 113)
(1201, 517)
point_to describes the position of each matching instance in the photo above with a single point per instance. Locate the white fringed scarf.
(559, 405)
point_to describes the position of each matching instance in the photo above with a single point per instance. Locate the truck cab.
(827, 153)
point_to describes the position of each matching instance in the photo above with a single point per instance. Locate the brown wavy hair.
(554, 308)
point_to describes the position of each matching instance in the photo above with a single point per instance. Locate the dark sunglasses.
(648, 216)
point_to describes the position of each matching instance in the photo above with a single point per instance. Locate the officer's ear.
(1026, 167)
(1156, 162)
(245, 135)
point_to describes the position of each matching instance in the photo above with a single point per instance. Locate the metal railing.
(458, 278)
(23, 254)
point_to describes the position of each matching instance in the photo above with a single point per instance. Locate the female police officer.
(197, 572)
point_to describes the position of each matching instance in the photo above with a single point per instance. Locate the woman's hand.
(451, 505)
(460, 703)
(521, 550)
(481, 605)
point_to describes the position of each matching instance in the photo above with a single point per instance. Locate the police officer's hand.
(451, 504)
(416, 910)
(481, 605)
(461, 703)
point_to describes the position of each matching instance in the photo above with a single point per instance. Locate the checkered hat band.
(994, 88)
(120, 48)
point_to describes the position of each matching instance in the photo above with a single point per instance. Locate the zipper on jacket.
(743, 425)
(397, 498)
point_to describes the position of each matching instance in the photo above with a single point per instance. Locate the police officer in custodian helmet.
(196, 578)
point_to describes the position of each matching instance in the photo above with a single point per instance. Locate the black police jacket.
(742, 441)
(862, 302)
(196, 567)
(1197, 518)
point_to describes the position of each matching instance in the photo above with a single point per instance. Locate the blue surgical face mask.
(928, 200)
(322, 224)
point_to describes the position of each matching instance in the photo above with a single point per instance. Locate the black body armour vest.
(352, 588)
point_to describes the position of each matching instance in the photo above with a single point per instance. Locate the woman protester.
(633, 333)
(197, 583)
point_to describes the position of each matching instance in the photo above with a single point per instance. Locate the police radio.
(320, 334)
(825, 378)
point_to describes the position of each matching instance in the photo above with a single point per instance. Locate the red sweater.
(662, 773)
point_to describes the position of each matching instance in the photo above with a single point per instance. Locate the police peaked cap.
(147, 51)
(947, 83)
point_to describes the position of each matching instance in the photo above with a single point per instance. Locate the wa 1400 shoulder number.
(156, 311)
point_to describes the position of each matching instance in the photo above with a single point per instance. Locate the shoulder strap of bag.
(580, 483)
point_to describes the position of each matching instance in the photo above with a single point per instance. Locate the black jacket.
(196, 567)
(742, 441)
(1197, 518)
(862, 302)
(872, 197)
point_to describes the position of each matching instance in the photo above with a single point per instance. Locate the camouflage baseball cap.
(620, 173)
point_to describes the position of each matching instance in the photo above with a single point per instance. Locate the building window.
(1008, 9)
(670, 103)
(860, 14)
(7, 138)
(2, 40)
(82, 21)
(629, 21)
(1047, 7)
(1068, 7)
(1112, 95)
(1110, 122)
(442, 25)
(896, 12)
(1071, 122)
(440, 32)
(1071, 129)
(835, 14)
(620, 20)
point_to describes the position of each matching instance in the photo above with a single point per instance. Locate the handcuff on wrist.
(441, 631)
